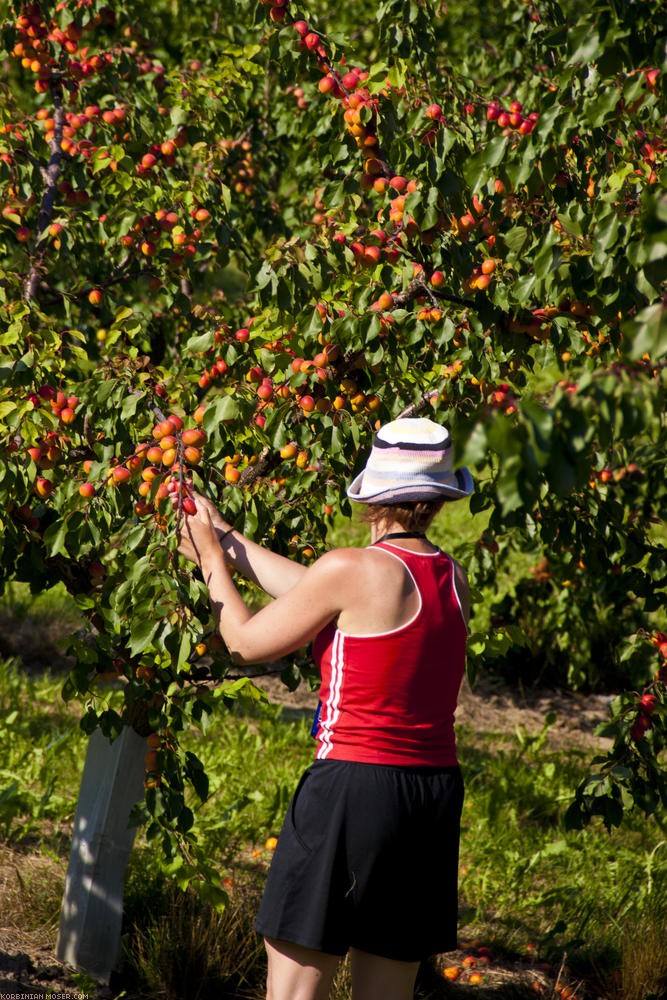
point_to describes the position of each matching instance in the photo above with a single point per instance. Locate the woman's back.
(390, 684)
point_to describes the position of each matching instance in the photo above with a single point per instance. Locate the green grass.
(43, 748)
(526, 880)
(526, 883)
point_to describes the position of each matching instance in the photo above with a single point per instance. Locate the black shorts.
(367, 858)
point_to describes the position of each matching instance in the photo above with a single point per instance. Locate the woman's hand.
(197, 536)
(202, 503)
(220, 526)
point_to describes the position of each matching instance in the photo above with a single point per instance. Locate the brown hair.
(414, 515)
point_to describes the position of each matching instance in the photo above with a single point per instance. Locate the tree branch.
(266, 462)
(419, 287)
(413, 408)
(51, 176)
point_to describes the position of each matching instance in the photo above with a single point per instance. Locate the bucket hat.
(411, 459)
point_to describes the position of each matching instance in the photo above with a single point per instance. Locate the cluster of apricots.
(360, 115)
(35, 51)
(498, 396)
(25, 514)
(47, 453)
(242, 168)
(81, 129)
(513, 118)
(219, 366)
(63, 406)
(537, 325)
(481, 276)
(659, 640)
(172, 447)
(161, 153)
(165, 229)
(299, 95)
(653, 155)
(648, 702)
(308, 39)
(314, 395)
(278, 9)
(607, 476)
(75, 143)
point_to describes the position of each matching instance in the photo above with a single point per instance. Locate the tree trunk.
(92, 906)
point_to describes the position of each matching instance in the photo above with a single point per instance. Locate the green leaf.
(224, 409)
(141, 634)
(130, 404)
(515, 239)
(647, 333)
(494, 152)
(201, 342)
(54, 538)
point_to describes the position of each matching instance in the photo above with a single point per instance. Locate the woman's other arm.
(275, 574)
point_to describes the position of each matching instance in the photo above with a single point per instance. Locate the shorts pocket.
(309, 810)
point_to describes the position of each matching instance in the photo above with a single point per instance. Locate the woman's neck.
(382, 529)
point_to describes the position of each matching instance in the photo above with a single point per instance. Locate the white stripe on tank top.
(333, 701)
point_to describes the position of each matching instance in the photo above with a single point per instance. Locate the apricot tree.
(235, 237)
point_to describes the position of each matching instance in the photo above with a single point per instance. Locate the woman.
(367, 859)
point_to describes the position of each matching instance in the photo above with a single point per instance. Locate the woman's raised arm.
(286, 623)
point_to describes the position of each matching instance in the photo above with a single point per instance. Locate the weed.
(183, 947)
(31, 888)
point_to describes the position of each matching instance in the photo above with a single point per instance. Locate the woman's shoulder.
(341, 560)
(343, 555)
(351, 560)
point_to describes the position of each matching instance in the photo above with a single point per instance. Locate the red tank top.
(390, 698)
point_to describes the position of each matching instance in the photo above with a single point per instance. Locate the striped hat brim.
(457, 485)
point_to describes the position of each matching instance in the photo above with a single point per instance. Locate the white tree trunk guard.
(92, 906)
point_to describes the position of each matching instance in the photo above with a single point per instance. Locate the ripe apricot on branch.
(193, 436)
(44, 488)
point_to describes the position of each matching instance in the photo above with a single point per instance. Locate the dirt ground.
(27, 963)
